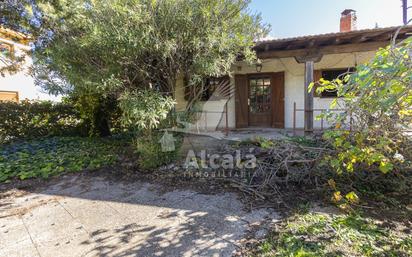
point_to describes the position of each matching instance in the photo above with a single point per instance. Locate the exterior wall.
(213, 115)
(21, 81)
(294, 85)
(294, 80)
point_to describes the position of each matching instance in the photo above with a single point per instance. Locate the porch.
(217, 141)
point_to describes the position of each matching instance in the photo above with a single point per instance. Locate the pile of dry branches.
(282, 164)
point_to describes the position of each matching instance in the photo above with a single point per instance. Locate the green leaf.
(385, 167)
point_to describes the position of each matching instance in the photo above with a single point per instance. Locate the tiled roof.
(356, 36)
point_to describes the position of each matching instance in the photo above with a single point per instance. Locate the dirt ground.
(93, 214)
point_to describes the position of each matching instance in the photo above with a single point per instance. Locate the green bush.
(145, 109)
(145, 112)
(50, 156)
(149, 150)
(100, 114)
(28, 119)
(378, 102)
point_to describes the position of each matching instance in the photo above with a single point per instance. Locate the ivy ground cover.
(45, 157)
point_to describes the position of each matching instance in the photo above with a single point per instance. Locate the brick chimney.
(348, 20)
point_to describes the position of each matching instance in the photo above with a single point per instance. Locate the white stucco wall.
(294, 85)
(22, 82)
(294, 80)
(213, 115)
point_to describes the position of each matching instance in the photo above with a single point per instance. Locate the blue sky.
(290, 18)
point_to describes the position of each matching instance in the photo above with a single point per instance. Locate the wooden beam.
(309, 68)
(295, 45)
(314, 56)
(311, 43)
(334, 49)
(336, 41)
(309, 61)
(371, 36)
(383, 37)
(301, 44)
(360, 39)
(291, 46)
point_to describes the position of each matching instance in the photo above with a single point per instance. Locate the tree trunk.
(101, 120)
(101, 124)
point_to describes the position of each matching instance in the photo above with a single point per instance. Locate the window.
(260, 95)
(332, 75)
(213, 89)
(210, 87)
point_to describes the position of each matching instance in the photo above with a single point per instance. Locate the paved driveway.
(81, 216)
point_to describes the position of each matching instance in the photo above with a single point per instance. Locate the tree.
(378, 100)
(113, 49)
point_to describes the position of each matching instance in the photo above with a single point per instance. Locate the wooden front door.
(259, 100)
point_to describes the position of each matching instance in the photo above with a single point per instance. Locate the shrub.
(149, 150)
(145, 109)
(100, 114)
(28, 119)
(378, 99)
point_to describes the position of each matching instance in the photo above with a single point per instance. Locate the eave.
(331, 43)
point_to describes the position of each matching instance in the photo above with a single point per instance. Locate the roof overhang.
(342, 42)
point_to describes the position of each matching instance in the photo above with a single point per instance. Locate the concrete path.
(82, 216)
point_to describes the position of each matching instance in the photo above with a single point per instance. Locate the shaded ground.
(96, 216)
(117, 211)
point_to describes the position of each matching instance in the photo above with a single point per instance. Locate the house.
(274, 93)
(19, 85)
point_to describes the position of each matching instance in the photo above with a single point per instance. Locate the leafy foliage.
(153, 41)
(15, 16)
(150, 154)
(36, 119)
(101, 115)
(111, 49)
(51, 156)
(106, 50)
(11, 63)
(316, 234)
(19, 15)
(145, 109)
(302, 140)
(378, 99)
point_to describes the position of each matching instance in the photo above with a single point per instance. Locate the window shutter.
(278, 100)
(241, 101)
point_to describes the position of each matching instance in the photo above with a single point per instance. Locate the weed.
(321, 234)
(302, 140)
(150, 152)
